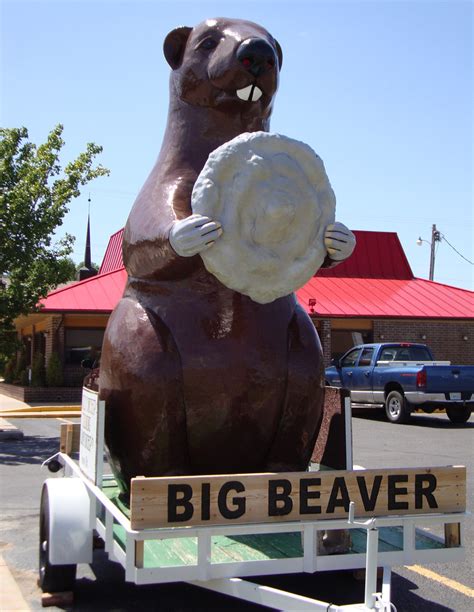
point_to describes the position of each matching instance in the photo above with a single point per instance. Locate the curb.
(57, 414)
(11, 597)
(9, 431)
(57, 408)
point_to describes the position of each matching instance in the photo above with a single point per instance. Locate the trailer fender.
(70, 521)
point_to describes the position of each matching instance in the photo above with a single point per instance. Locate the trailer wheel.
(52, 578)
(396, 407)
(458, 415)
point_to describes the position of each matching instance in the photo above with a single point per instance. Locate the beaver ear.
(279, 52)
(174, 44)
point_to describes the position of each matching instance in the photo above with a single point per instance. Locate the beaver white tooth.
(252, 93)
(245, 93)
(256, 94)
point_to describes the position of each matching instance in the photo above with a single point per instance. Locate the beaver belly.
(234, 395)
(234, 368)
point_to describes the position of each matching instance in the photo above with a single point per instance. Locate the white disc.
(274, 200)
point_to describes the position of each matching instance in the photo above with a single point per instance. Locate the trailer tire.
(396, 407)
(459, 416)
(52, 578)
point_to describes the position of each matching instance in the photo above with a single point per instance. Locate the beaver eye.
(208, 44)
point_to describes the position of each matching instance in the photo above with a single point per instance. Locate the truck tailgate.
(449, 379)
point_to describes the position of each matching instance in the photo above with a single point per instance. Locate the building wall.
(325, 337)
(74, 375)
(42, 394)
(445, 338)
(54, 337)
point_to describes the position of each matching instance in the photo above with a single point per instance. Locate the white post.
(371, 568)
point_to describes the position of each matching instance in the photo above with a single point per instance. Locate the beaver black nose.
(257, 56)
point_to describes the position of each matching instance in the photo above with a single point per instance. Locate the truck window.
(403, 355)
(388, 354)
(419, 353)
(350, 359)
(413, 353)
(366, 357)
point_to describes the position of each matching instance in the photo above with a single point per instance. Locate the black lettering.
(306, 495)
(205, 501)
(239, 502)
(179, 495)
(394, 491)
(339, 495)
(425, 484)
(279, 500)
(369, 499)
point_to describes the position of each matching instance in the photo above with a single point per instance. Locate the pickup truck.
(403, 377)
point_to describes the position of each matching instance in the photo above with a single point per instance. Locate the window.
(350, 359)
(419, 353)
(366, 357)
(405, 353)
(82, 344)
(388, 354)
(344, 339)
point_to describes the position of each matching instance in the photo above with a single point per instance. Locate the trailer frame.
(128, 546)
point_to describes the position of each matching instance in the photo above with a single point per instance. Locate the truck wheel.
(396, 407)
(52, 578)
(458, 415)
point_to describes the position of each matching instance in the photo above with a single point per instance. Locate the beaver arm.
(339, 242)
(147, 252)
(329, 263)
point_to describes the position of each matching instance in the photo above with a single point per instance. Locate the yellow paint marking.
(452, 584)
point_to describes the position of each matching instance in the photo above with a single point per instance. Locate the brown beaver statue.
(198, 378)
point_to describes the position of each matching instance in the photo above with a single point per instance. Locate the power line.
(456, 251)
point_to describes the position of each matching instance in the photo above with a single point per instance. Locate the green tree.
(54, 371)
(38, 373)
(80, 265)
(70, 270)
(35, 193)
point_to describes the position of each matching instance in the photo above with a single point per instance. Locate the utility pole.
(435, 237)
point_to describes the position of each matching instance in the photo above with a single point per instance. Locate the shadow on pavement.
(405, 598)
(109, 591)
(420, 420)
(30, 450)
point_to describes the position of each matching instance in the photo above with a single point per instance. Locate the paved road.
(428, 440)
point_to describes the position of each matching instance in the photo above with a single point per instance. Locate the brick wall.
(325, 337)
(74, 375)
(54, 337)
(445, 338)
(42, 394)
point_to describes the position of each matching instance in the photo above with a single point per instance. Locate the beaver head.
(226, 65)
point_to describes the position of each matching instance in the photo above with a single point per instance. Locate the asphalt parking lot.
(428, 440)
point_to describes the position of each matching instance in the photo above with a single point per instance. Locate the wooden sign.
(91, 458)
(295, 496)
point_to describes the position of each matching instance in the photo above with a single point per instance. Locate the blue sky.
(382, 91)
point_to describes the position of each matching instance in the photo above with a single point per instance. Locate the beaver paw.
(339, 241)
(194, 234)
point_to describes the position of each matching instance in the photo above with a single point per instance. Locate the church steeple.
(87, 270)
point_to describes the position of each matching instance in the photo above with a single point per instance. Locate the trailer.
(217, 531)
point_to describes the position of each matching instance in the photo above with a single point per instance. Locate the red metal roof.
(376, 255)
(390, 298)
(98, 294)
(335, 297)
(113, 254)
(375, 282)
